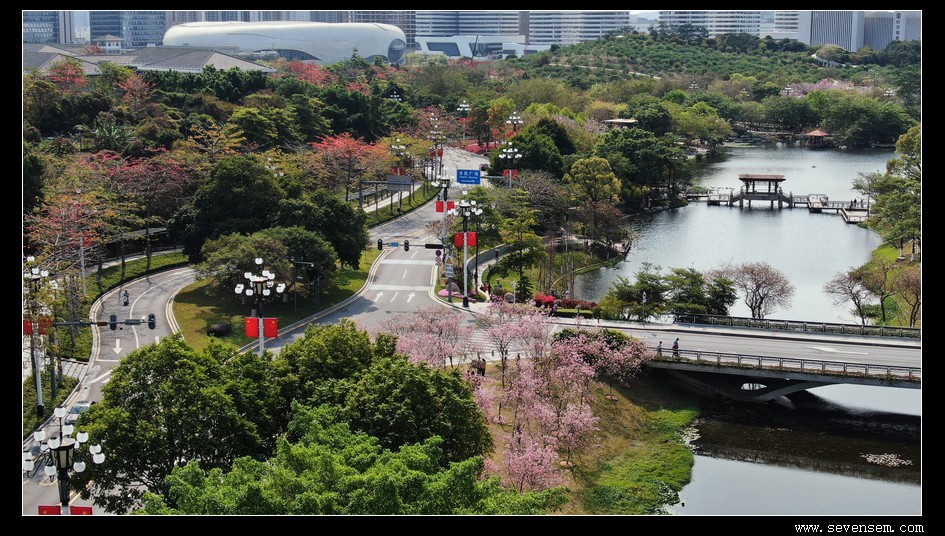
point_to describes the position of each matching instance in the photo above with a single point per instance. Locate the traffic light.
(113, 322)
(406, 245)
(151, 321)
(380, 244)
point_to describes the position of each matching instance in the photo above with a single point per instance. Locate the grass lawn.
(196, 307)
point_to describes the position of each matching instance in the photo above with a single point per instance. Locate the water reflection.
(809, 248)
(753, 489)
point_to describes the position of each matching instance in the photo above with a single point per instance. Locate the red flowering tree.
(136, 92)
(68, 75)
(350, 159)
(156, 186)
(311, 73)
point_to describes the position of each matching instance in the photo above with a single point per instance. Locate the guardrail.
(793, 364)
(795, 325)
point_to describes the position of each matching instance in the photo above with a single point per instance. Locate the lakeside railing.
(796, 325)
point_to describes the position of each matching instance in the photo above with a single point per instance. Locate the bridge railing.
(793, 364)
(796, 325)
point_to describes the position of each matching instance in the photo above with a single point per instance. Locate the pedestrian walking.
(659, 349)
(125, 297)
(676, 347)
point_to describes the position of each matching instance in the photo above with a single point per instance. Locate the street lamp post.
(444, 182)
(478, 213)
(463, 110)
(510, 155)
(260, 286)
(34, 278)
(63, 450)
(515, 121)
(436, 135)
(465, 210)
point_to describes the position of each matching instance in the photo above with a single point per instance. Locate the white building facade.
(319, 42)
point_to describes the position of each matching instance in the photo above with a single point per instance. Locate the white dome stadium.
(320, 42)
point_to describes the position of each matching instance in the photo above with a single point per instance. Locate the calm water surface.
(758, 468)
(808, 248)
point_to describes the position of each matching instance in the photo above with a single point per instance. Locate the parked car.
(77, 409)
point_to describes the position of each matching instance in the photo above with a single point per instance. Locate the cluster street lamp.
(444, 182)
(693, 87)
(463, 110)
(466, 209)
(63, 451)
(515, 121)
(34, 279)
(399, 150)
(510, 155)
(477, 212)
(436, 137)
(260, 286)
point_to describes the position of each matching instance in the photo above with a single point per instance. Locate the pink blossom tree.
(508, 326)
(431, 336)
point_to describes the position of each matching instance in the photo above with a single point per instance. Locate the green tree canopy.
(165, 405)
(332, 469)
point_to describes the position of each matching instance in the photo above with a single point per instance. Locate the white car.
(76, 410)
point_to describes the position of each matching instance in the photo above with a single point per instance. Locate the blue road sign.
(393, 244)
(468, 176)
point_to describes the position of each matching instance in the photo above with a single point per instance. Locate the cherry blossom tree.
(433, 337)
(503, 327)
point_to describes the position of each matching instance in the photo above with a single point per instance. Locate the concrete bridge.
(756, 378)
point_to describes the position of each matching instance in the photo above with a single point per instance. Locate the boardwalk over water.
(770, 191)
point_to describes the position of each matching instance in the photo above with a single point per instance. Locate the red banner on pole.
(450, 205)
(50, 510)
(80, 510)
(470, 239)
(270, 327)
(252, 326)
(27, 327)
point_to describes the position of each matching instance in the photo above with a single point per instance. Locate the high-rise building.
(570, 27)
(450, 23)
(884, 27)
(137, 29)
(405, 20)
(43, 27)
(716, 22)
(842, 28)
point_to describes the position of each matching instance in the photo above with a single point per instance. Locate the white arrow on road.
(378, 297)
(832, 350)
(117, 347)
(410, 296)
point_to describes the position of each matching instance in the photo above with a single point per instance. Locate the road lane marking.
(834, 351)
